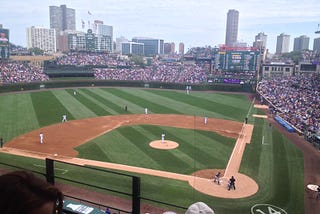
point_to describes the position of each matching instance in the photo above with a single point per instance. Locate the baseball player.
(217, 178)
(205, 120)
(232, 181)
(74, 93)
(64, 118)
(162, 138)
(146, 110)
(41, 137)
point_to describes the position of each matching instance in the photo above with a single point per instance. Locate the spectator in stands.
(295, 99)
(22, 192)
(15, 72)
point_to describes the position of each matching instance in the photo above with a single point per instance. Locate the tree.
(138, 60)
(36, 51)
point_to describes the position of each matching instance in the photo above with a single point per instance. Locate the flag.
(89, 13)
(83, 23)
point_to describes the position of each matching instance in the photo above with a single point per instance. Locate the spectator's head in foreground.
(22, 192)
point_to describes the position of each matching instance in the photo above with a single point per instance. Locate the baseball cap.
(199, 207)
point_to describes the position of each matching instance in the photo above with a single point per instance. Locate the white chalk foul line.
(42, 166)
(262, 141)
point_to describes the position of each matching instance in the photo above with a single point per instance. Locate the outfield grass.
(274, 163)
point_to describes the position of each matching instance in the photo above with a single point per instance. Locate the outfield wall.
(110, 83)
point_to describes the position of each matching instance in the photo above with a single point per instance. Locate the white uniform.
(146, 110)
(64, 118)
(205, 120)
(41, 137)
(74, 93)
(162, 138)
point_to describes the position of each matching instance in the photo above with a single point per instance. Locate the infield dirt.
(61, 139)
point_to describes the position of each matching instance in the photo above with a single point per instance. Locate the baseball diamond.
(100, 132)
(78, 132)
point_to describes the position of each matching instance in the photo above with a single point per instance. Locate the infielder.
(146, 111)
(162, 138)
(205, 120)
(64, 118)
(41, 137)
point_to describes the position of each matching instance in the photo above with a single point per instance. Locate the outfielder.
(64, 118)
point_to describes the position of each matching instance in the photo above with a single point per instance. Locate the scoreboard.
(236, 61)
(4, 43)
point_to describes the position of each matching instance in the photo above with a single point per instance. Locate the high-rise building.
(316, 44)
(119, 41)
(132, 48)
(232, 28)
(181, 48)
(151, 46)
(301, 43)
(104, 32)
(260, 41)
(42, 38)
(62, 18)
(169, 48)
(4, 43)
(283, 41)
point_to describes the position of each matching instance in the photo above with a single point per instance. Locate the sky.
(196, 23)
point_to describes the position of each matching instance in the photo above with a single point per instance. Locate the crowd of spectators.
(296, 99)
(159, 73)
(14, 72)
(94, 59)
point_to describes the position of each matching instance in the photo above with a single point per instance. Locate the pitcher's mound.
(167, 144)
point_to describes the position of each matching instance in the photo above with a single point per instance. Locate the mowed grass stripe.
(295, 170)
(113, 108)
(77, 110)
(119, 149)
(89, 104)
(182, 107)
(185, 139)
(48, 108)
(280, 170)
(229, 111)
(132, 107)
(162, 157)
(237, 100)
(144, 103)
(17, 115)
(170, 133)
(92, 150)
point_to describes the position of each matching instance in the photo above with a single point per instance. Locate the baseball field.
(269, 159)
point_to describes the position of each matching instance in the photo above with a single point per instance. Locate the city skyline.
(195, 23)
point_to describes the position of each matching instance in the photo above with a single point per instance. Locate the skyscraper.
(316, 44)
(62, 18)
(4, 43)
(43, 38)
(301, 43)
(151, 46)
(283, 41)
(104, 32)
(181, 48)
(232, 27)
(260, 41)
(169, 48)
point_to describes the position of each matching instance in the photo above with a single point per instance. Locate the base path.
(61, 139)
